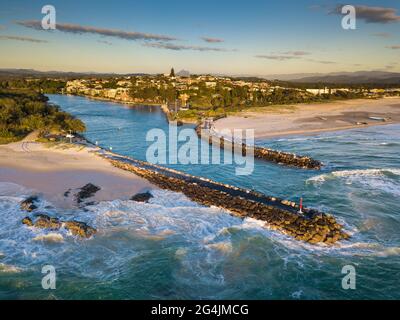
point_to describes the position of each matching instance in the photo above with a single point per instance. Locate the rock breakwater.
(311, 225)
(279, 157)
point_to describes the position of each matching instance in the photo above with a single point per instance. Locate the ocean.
(173, 248)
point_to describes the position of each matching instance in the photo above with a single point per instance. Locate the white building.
(318, 91)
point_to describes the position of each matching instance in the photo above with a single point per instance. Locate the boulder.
(42, 221)
(46, 222)
(78, 228)
(29, 204)
(317, 238)
(28, 221)
(86, 191)
(142, 197)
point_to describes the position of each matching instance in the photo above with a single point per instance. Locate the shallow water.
(173, 248)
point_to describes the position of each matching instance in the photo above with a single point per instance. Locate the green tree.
(22, 111)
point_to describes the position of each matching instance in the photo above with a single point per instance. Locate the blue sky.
(243, 37)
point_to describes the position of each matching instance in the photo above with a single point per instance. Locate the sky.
(253, 37)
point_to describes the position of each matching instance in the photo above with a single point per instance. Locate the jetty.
(204, 131)
(286, 216)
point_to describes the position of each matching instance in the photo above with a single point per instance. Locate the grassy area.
(265, 109)
(194, 116)
(59, 145)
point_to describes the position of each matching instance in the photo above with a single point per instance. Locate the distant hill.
(18, 73)
(349, 78)
(35, 73)
(290, 76)
(361, 77)
(183, 73)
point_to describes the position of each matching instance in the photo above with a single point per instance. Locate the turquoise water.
(173, 248)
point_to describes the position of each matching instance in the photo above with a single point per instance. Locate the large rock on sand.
(86, 191)
(142, 197)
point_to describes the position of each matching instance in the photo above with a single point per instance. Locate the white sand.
(314, 118)
(51, 171)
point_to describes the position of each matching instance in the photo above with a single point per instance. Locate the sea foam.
(380, 180)
(353, 173)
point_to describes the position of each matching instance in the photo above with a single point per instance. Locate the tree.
(172, 74)
(22, 111)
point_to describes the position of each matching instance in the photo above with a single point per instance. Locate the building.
(318, 91)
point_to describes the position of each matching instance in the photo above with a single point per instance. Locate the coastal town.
(229, 102)
(191, 97)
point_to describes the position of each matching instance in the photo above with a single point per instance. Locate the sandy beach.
(52, 170)
(306, 119)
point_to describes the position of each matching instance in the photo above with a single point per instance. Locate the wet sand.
(51, 171)
(308, 119)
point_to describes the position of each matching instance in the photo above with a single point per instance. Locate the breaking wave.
(384, 180)
(4, 268)
(352, 173)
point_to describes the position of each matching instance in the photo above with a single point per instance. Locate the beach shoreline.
(51, 170)
(311, 119)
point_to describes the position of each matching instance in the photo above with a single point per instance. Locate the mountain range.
(359, 77)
